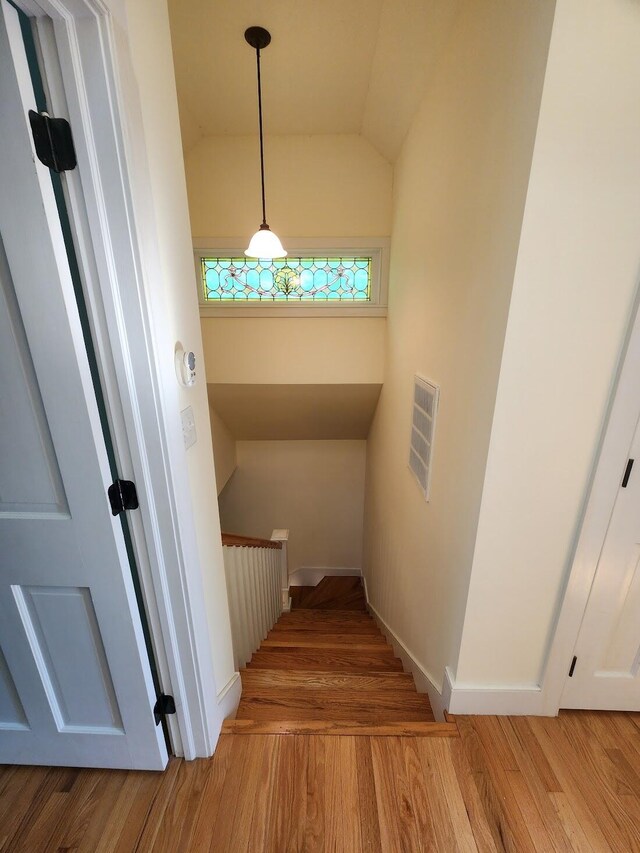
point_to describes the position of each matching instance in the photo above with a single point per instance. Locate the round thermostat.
(185, 367)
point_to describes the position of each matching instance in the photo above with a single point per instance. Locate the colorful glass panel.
(303, 279)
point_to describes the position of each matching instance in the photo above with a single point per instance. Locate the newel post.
(283, 536)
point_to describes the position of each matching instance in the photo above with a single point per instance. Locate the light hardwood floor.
(508, 783)
(333, 750)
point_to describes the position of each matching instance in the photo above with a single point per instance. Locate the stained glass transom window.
(291, 279)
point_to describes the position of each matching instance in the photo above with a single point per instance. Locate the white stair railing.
(254, 570)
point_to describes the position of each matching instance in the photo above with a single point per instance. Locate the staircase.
(326, 668)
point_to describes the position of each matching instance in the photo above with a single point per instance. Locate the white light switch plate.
(188, 427)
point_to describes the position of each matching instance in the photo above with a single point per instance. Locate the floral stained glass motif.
(319, 280)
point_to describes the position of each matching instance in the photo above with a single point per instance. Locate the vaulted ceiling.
(334, 66)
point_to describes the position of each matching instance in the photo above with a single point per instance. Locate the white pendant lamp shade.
(265, 244)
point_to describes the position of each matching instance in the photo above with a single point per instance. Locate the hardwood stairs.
(338, 593)
(326, 668)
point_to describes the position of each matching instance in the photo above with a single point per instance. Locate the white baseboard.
(228, 698)
(516, 700)
(227, 701)
(424, 681)
(446, 690)
(312, 575)
(459, 698)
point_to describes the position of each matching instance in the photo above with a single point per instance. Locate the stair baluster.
(253, 569)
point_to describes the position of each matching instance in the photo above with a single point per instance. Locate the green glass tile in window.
(320, 280)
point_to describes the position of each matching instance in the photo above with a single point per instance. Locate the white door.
(75, 681)
(606, 673)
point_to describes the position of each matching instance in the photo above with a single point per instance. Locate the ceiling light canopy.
(264, 243)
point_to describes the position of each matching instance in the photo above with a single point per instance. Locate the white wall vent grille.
(425, 406)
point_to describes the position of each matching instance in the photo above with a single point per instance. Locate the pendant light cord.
(264, 205)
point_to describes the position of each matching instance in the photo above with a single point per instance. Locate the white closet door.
(75, 681)
(606, 674)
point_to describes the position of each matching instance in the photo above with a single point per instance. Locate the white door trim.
(101, 201)
(617, 434)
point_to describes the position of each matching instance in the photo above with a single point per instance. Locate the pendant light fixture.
(264, 243)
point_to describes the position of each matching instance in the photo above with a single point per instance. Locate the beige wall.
(459, 193)
(296, 412)
(317, 186)
(315, 488)
(163, 222)
(574, 287)
(287, 350)
(224, 449)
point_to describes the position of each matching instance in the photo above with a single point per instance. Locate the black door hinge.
(627, 473)
(573, 666)
(53, 141)
(122, 495)
(165, 705)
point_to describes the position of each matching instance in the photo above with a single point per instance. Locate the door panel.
(12, 714)
(30, 480)
(62, 630)
(75, 680)
(606, 675)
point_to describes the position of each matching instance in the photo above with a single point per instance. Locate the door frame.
(77, 40)
(619, 426)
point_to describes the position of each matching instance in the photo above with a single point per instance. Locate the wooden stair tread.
(251, 711)
(307, 616)
(324, 660)
(327, 642)
(352, 606)
(311, 631)
(347, 728)
(307, 631)
(327, 648)
(337, 625)
(374, 699)
(336, 705)
(309, 680)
